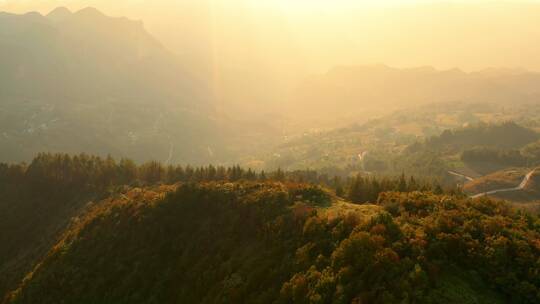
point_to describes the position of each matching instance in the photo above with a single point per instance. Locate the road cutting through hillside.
(521, 186)
(461, 175)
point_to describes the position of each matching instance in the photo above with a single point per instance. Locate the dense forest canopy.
(264, 242)
(41, 198)
(185, 226)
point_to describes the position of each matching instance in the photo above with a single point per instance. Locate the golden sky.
(315, 35)
(269, 46)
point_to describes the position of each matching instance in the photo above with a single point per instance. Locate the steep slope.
(252, 242)
(38, 203)
(41, 199)
(231, 226)
(86, 82)
(31, 225)
(86, 56)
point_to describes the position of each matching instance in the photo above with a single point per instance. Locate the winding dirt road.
(520, 187)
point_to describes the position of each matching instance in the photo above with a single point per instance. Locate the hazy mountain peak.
(17, 25)
(90, 12)
(59, 13)
(31, 16)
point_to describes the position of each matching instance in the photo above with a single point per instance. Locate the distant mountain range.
(86, 55)
(347, 90)
(85, 82)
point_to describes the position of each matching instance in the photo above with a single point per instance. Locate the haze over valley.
(253, 151)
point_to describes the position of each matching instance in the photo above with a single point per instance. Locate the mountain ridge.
(358, 88)
(110, 70)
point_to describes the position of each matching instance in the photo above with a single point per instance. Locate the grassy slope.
(340, 208)
(499, 180)
(529, 195)
(524, 199)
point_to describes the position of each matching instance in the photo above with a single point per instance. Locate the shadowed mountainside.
(85, 82)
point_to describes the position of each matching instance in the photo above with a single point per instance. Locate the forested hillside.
(479, 149)
(252, 242)
(507, 135)
(42, 198)
(230, 235)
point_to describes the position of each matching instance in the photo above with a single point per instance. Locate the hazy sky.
(278, 42)
(323, 33)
